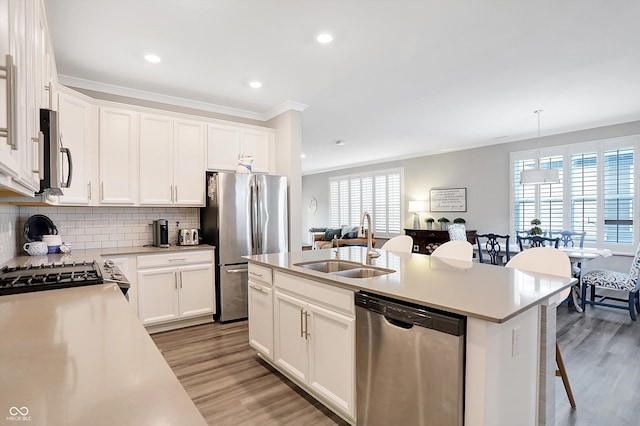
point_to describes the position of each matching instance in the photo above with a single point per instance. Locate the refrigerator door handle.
(253, 202)
(258, 219)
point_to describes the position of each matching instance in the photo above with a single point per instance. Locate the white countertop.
(491, 293)
(79, 356)
(95, 254)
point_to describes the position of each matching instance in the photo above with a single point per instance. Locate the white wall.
(483, 171)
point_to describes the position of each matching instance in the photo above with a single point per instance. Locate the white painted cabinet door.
(291, 349)
(8, 157)
(156, 160)
(223, 147)
(189, 162)
(196, 290)
(331, 357)
(256, 144)
(75, 124)
(261, 318)
(157, 295)
(118, 155)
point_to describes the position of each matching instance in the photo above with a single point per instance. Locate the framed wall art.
(448, 200)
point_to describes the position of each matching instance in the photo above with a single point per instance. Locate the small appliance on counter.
(188, 236)
(161, 233)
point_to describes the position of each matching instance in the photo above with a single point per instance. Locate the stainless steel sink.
(364, 272)
(344, 268)
(329, 265)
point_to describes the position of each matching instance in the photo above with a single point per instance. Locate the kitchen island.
(509, 373)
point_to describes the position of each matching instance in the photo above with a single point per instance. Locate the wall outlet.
(515, 342)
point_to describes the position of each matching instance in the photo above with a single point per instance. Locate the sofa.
(347, 235)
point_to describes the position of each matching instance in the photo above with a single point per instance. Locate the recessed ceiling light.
(255, 84)
(154, 59)
(341, 142)
(303, 155)
(324, 37)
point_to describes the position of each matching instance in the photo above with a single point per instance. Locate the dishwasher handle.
(398, 323)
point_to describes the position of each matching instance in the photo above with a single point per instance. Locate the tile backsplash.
(101, 227)
(8, 231)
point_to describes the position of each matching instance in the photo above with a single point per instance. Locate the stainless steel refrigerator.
(245, 214)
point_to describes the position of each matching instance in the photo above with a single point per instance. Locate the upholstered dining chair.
(496, 246)
(612, 280)
(550, 261)
(455, 249)
(537, 241)
(401, 243)
(457, 232)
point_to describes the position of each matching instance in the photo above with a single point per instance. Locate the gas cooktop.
(26, 279)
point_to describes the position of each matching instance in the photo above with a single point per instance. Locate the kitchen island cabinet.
(510, 317)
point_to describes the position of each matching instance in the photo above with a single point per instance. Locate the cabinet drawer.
(260, 273)
(175, 259)
(323, 294)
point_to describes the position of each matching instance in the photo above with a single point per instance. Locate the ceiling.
(402, 77)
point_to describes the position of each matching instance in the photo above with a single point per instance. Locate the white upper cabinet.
(172, 165)
(226, 143)
(26, 55)
(156, 160)
(75, 114)
(189, 162)
(118, 156)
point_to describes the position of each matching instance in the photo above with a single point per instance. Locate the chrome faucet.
(336, 250)
(371, 253)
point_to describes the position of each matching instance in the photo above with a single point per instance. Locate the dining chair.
(455, 249)
(537, 241)
(550, 261)
(457, 232)
(496, 246)
(569, 238)
(400, 243)
(613, 280)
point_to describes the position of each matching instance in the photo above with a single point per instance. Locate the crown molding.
(174, 100)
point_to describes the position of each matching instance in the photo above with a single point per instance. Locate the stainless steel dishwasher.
(409, 363)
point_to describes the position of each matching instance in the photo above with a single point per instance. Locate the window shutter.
(618, 196)
(334, 207)
(551, 197)
(584, 194)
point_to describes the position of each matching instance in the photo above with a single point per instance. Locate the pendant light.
(539, 176)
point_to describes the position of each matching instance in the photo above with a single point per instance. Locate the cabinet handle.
(9, 132)
(49, 88)
(176, 189)
(180, 279)
(175, 279)
(258, 288)
(102, 191)
(39, 141)
(89, 190)
(306, 325)
(178, 260)
(301, 323)
(171, 189)
(255, 274)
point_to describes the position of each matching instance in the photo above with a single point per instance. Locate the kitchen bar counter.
(471, 289)
(79, 356)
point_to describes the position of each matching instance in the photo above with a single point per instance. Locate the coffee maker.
(161, 233)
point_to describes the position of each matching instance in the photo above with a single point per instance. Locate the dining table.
(578, 257)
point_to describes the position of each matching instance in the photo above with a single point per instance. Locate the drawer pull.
(260, 289)
(255, 274)
(178, 260)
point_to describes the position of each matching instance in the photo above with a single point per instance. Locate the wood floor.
(230, 385)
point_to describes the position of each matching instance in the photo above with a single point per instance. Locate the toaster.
(188, 237)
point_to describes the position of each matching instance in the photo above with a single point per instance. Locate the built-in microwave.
(52, 156)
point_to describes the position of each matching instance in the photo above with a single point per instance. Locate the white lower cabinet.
(314, 339)
(261, 309)
(169, 293)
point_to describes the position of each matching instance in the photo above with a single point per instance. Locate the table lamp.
(417, 207)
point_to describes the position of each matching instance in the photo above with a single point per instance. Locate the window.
(378, 193)
(596, 193)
